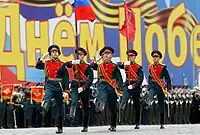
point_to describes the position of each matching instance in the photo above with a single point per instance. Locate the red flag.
(83, 10)
(7, 91)
(128, 29)
(37, 93)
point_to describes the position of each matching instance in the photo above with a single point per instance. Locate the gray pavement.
(103, 130)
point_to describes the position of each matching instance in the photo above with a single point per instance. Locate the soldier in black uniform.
(19, 104)
(109, 79)
(2, 110)
(157, 74)
(28, 107)
(57, 80)
(132, 86)
(80, 86)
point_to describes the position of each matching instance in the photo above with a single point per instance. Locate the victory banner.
(7, 92)
(37, 93)
(28, 27)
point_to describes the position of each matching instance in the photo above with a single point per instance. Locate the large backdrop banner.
(28, 27)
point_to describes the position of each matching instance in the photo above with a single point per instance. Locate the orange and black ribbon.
(108, 14)
(82, 75)
(112, 83)
(156, 78)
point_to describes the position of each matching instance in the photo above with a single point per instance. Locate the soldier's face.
(156, 59)
(81, 56)
(107, 56)
(131, 58)
(54, 54)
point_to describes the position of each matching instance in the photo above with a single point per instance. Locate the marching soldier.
(157, 74)
(109, 78)
(57, 80)
(134, 79)
(80, 86)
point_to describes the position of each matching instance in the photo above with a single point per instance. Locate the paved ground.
(103, 130)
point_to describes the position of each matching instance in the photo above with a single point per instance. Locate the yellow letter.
(157, 30)
(92, 44)
(34, 42)
(137, 44)
(174, 32)
(195, 45)
(15, 56)
(64, 37)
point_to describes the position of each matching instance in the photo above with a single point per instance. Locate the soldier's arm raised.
(40, 65)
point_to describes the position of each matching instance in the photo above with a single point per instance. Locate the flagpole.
(31, 97)
(127, 42)
(1, 92)
(76, 29)
(76, 25)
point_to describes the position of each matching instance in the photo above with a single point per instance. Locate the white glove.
(130, 87)
(80, 90)
(127, 63)
(75, 62)
(65, 94)
(44, 56)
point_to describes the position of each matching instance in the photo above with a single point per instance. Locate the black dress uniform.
(134, 75)
(2, 112)
(158, 72)
(109, 78)
(28, 109)
(83, 78)
(56, 80)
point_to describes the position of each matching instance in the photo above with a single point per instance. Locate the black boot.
(26, 123)
(59, 131)
(162, 126)
(29, 123)
(1, 124)
(45, 108)
(112, 128)
(85, 129)
(59, 125)
(137, 127)
(161, 120)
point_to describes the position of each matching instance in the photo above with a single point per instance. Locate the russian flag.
(83, 10)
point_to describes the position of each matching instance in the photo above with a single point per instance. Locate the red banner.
(7, 91)
(37, 93)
